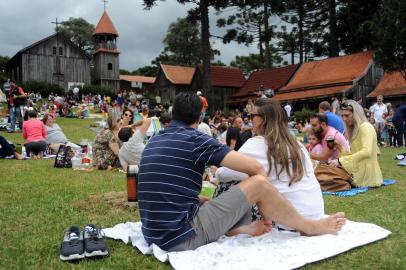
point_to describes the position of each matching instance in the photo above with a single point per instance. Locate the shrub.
(44, 88)
(304, 114)
(96, 89)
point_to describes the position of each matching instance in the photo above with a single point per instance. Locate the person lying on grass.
(286, 161)
(170, 180)
(7, 149)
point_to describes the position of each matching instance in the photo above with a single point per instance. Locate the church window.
(60, 51)
(109, 66)
(54, 50)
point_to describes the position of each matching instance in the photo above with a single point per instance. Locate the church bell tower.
(106, 55)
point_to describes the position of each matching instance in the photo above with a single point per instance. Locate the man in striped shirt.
(176, 218)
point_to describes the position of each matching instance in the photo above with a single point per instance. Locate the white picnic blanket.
(276, 249)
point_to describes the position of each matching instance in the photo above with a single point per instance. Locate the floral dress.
(103, 156)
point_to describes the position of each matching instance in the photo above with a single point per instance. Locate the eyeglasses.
(346, 106)
(255, 114)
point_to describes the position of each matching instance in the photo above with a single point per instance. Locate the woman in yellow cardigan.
(362, 160)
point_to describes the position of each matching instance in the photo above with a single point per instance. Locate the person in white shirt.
(284, 159)
(204, 127)
(377, 111)
(288, 109)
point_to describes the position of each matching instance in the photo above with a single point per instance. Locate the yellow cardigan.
(362, 160)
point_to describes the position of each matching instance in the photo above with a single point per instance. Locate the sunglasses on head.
(346, 106)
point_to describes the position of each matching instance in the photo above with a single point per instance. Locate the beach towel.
(274, 250)
(359, 190)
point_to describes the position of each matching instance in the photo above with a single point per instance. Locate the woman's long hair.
(359, 118)
(113, 119)
(283, 147)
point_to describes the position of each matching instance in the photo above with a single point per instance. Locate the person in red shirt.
(17, 99)
(205, 105)
(34, 133)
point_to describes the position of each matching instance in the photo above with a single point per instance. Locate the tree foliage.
(182, 44)
(3, 72)
(79, 31)
(355, 24)
(389, 26)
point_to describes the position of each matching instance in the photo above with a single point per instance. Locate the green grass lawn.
(38, 202)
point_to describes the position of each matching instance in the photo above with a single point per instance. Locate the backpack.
(64, 157)
(332, 179)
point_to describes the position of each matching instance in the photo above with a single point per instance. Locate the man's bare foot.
(329, 225)
(18, 156)
(256, 228)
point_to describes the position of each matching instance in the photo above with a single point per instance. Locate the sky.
(23, 22)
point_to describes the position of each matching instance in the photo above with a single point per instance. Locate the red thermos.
(132, 172)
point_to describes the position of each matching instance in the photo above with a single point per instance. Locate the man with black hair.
(331, 139)
(173, 214)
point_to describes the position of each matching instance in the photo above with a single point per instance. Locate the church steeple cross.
(104, 3)
(56, 23)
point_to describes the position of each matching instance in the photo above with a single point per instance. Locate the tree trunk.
(333, 41)
(204, 13)
(301, 34)
(292, 55)
(267, 35)
(261, 41)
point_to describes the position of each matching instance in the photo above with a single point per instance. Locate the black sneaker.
(72, 246)
(94, 242)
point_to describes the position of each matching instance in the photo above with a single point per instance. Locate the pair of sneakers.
(79, 244)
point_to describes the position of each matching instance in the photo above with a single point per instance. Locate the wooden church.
(55, 59)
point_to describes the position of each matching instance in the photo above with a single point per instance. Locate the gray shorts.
(216, 217)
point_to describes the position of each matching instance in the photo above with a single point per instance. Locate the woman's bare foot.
(329, 225)
(256, 228)
(109, 168)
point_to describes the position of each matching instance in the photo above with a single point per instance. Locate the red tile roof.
(226, 77)
(326, 77)
(273, 78)
(178, 74)
(335, 70)
(317, 92)
(113, 51)
(135, 78)
(105, 26)
(392, 84)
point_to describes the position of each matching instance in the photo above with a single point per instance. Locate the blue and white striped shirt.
(170, 180)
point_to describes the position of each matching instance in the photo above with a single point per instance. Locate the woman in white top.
(285, 160)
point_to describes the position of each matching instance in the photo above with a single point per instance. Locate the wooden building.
(353, 76)
(54, 59)
(392, 87)
(106, 55)
(171, 80)
(136, 83)
(273, 78)
(225, 82)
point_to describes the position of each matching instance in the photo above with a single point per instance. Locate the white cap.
(199, 93)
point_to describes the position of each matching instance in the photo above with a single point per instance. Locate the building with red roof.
(353, 76)
(133, 82)
(273, 78)
(172, 79)
(225, 82)
(392, 87)
(106, 54)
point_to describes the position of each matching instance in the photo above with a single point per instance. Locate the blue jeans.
(15, 112)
